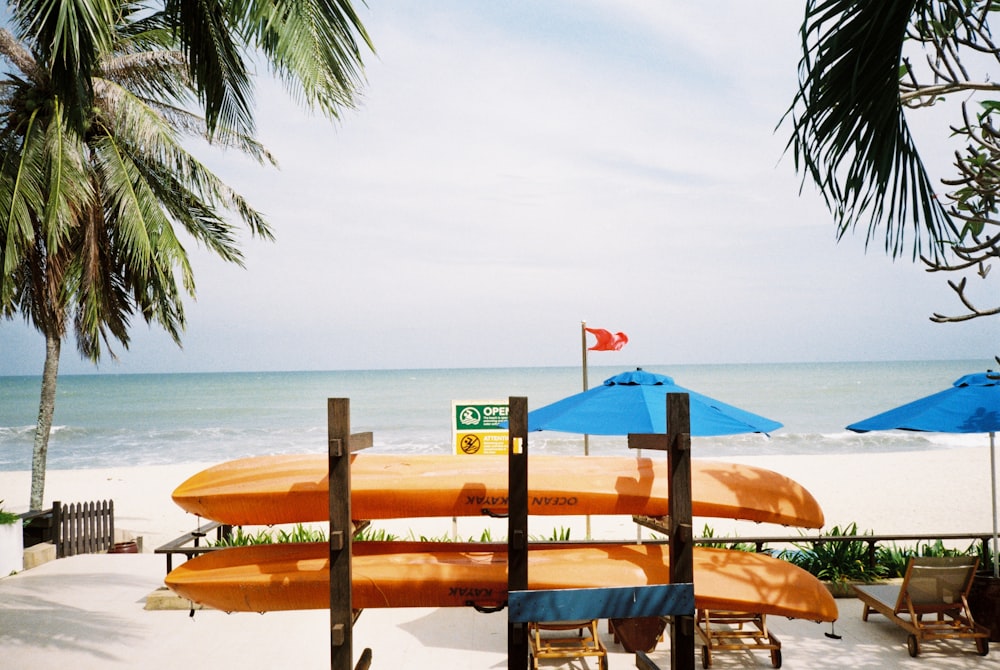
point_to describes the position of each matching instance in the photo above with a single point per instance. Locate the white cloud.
(514, 168)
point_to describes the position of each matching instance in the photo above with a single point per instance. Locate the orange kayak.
(274, 577)
(266, 490)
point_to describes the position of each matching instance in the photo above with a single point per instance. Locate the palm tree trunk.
(46, 408)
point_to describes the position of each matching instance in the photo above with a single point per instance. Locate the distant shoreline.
(594, 366)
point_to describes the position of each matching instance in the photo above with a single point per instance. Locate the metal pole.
(583, 350)
(993, 494)
(586, 386)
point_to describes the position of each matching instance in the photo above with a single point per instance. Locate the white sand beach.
(88, 611)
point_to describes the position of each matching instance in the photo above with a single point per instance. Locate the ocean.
(145, 419)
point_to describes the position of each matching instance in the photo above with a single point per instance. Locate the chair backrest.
(937, 583)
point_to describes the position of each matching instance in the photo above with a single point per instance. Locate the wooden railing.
(659, 525)
(871, 540)
(181, 544)
(189, 544)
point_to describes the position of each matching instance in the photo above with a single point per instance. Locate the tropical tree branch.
(864, 63)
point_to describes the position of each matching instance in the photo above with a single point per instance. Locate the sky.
(515, 168)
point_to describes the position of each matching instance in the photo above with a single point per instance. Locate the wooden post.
(677, 444)
(57, 529)
(111, 526)
(517, 526)
(681, 535)
(339, 432)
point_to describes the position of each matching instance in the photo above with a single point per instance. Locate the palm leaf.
(312, 45)
(68, 190)
(215, 62)
(22, 196)
(70, 35)
(849, 134)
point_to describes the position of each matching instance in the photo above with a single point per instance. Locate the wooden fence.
(83, 528)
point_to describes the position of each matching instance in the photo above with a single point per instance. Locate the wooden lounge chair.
(583, 641)
(734, 631)
(936, 587)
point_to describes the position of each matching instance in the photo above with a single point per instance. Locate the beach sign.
(476, 427)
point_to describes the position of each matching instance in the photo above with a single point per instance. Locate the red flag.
(607, 341)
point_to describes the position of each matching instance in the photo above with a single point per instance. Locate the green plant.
(837, 561)
(432, 538)
(242, 538)
(985, 553)
(892, 560)
(369, 534)
(7, 518)
(725, 543)
(301, 533)
(560, 534)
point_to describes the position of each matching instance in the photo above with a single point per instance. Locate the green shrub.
(560, 534)
(835, 561)
(302, 533)
(725, 543)
(7, 518)
(369, 534)
(984, 552)
(431, 538)
(892, 560)
(241, 538)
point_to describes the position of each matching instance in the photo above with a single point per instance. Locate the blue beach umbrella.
(971, 405)
(635, 402)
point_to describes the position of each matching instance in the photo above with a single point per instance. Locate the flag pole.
(583, 349)
(586, 438)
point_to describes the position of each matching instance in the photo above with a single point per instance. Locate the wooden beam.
(355, 442)
(601, 603)
(682, 642)
(677, 444)
(341, 615)
(650, 441)
(661, 524)
(517, 525)
(644, 662)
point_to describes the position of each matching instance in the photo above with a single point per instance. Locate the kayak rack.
(675, 599)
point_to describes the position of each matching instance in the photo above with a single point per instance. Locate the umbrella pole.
(583, 353)
(993, 493)
(586, 438)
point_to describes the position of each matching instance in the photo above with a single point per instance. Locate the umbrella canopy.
(971, 405)
(635, 402)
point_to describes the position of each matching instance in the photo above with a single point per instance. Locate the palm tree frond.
(12, 50)
(151, 75)
(215, 63)
(849, 134)
(70, 35)
(313, 46)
